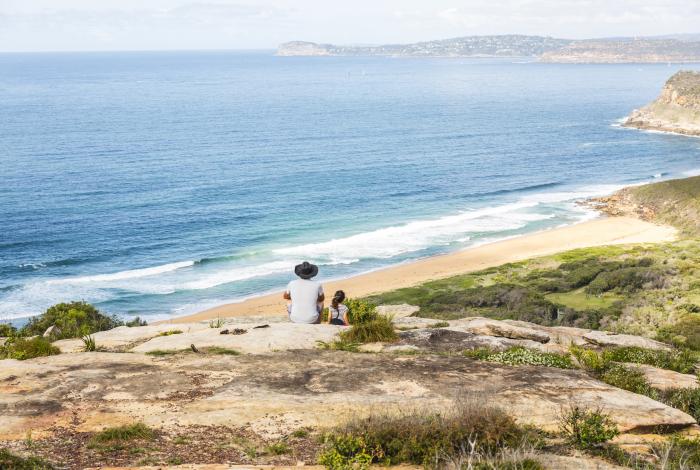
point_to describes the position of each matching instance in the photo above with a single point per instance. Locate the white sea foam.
(122, 275)
(415, 236)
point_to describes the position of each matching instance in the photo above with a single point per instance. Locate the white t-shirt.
(339, 313)
(304, 294)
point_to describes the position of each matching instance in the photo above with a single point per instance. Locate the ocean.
(161, 183)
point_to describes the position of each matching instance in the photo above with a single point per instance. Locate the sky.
(88, 25)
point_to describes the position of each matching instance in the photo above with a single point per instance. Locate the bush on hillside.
(22, 348)
(684, 399)
(10, 461)
(627, 280)
(136, 321)
(72, 320)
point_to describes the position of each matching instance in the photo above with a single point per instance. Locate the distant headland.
(676, 49)
(676, 110)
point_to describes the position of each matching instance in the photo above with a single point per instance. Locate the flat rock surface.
(605, 339)
(251, 340)
(665, 379)
(276, 392)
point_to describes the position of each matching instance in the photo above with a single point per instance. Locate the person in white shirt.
(305, 295)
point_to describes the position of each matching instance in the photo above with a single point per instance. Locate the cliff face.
(677, 109)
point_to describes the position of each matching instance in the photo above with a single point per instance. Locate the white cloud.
(221, 24)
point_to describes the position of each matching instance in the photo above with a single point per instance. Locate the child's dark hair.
(338, 298)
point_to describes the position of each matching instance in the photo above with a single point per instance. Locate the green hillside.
(674, 202)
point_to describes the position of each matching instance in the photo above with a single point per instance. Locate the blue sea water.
(158, 184)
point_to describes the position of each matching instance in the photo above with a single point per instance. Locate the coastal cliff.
(676, 110)
(625, 50)
(544, 49)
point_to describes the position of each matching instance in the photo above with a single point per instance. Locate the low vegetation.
(89, 343)
(22, 348)
(649, 290)
(585, 428)
(517, 356)
(674, 202)
(170, 333)
(70, 320)
(10, 461)
(423, 438)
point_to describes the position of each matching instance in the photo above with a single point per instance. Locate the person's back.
(304, 294)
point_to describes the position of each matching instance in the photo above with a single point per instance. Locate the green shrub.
(517, 356)
(7, 330)
(420, 438)
(683, 334)
(679, 361)
(9, 461)
(23, 348)
(632, 380)
(588, 359)
(361, 311)
(136, 321)
(626, 280)
(684, 399)
(585, 428)
(72, 320)
(678, 453)
(380, 329)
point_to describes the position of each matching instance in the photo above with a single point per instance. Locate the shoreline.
(598, 232)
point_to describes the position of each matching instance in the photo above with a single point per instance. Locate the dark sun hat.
(306, 270)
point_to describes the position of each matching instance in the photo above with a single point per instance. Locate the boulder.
(665, 379)
(397, 311)
(606, 339)
(488, 327)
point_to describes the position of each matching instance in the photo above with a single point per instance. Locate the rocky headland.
(676, 110)
(544, 49)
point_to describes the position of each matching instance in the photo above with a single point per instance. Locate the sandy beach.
(598, 232)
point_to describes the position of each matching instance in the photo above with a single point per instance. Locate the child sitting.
(337, 312)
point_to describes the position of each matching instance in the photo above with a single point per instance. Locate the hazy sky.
(39, 25)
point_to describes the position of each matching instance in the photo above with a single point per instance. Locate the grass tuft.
(222, 351)
(170, 333)
(127, 432)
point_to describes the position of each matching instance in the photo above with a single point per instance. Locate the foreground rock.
(278, 392)
(676, 110)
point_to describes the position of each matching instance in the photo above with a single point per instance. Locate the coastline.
(593, 233)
